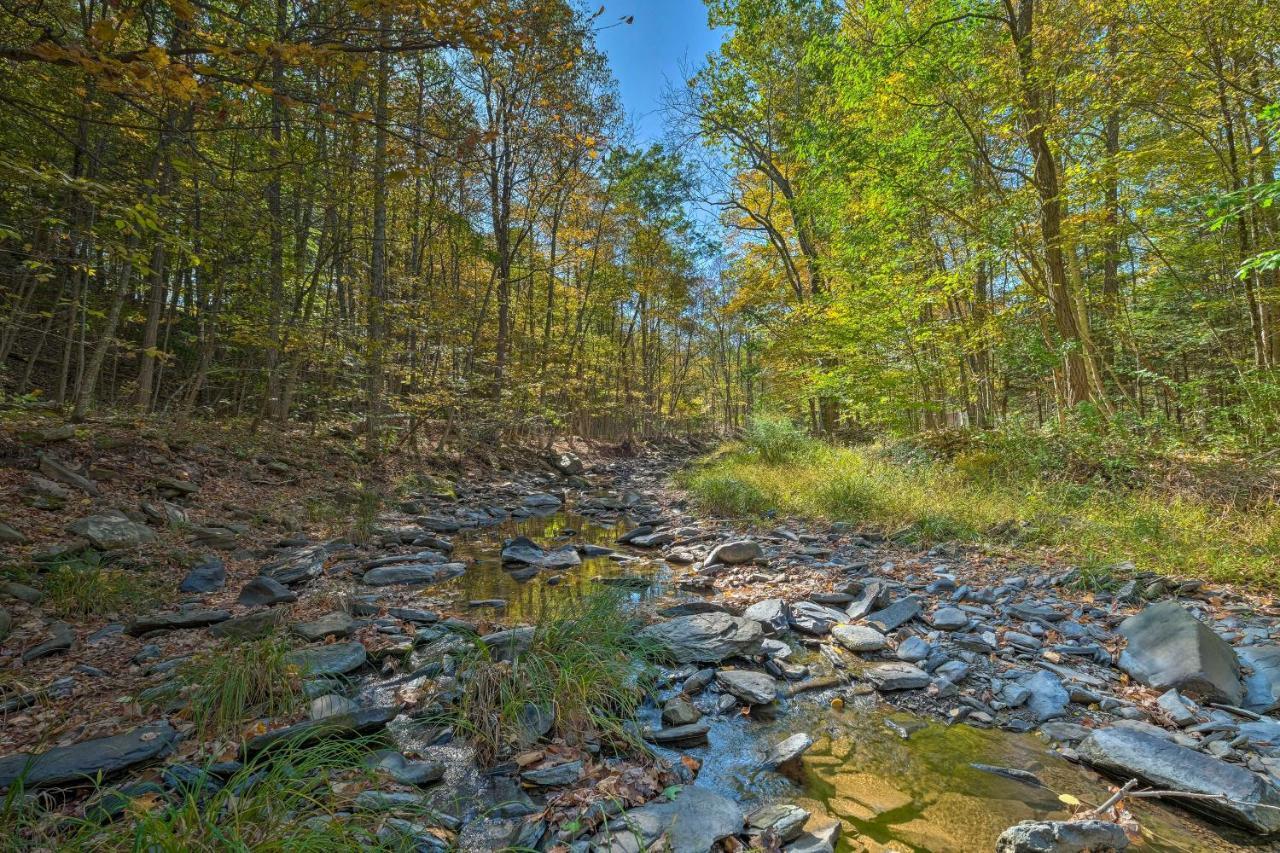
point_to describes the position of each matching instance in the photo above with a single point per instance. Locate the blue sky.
(645, 55)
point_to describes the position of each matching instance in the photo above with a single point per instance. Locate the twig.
(1240, 712)
(1114, 798)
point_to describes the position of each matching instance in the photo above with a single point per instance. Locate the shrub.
(724, 494)
(776, 438)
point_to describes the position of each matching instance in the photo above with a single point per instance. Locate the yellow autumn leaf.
(1069, 799)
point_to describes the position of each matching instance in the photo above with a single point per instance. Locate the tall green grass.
(971, 499)
(228, 686)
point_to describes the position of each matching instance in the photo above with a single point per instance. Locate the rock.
(897, 676)
(679, 712)
(1048, 698)
(165, 512)
(690, 822)
(1168, 647)
(785, 752)
(509, 644)
(336, 624)
(330, 704)
(297, 568)
(56, 470)
(43, 493)
(11, 536)
(706, 637)
(949, 619)
(6, 623)
(541, 499)
(657, 539)
(22, 592)
(698, 681)
(874, 596)
(413, 573)
(535, 721)
(771, 614)
(209, 576)
(61, 638)
(554, 776)
(80, 763)
(264, 590)
(217, 537)
(175, 620)
(49, 434)
(525, 551)
(734, 553)
(336, 659)
(388, 801)
(1064, 732)
(1061, 836)
(911, 650)
(1262, 685)
(250, 626)
(111, 532)
(568, 464)
(404, 771)
(686, 735)
(1127, 753)
(812, 618)
(899, 613)
(753, 688)
(1177, 707)
(786, 820)
(362, 722)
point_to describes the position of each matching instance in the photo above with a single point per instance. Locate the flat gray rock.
(859, 638)
(1047, 698)
(1262, 685)
(336, 624)
(175, 620)
(771, 614)
(690, 822)
(259, 623)
(786, 751)
(1168, 647)
(809, 617)
(735, 553)
(897, 676)
(899, 613)
(786, 820)
(688, 734)
(1061, 836)
(525, 551)
(111, 532)
(949, 619)
(1127, 753)
(554, 776)
(412, 574)
(61, 638)
(80, 763)
(265, 590)
(404, 771)
(336, 659)
(209, 576)
(706, 637)
(361, 722)
(753, 688)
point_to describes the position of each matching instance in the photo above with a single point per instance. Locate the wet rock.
(1262, 685)
(82, 762)
(1048, 698)
(771, 614)
(734, 553)
(859, 638)
(657, 539)
(679, 712)
(362, 722)
(1061, 836)
(404, 771)
(209, 576)
(61, 638)
(525, 551)
(706, 637)
(1127, 753)
(539, 500)
(785, 820)
(264, 590)
(699, 680)
(250, 626)
(949, 619)
(693, 821)
(1168, 647)
(554, 776)
(686, 735)
(634, 533)
(175, 620)
(787, 751)
(1064, 732)
(412, 574)
(336, 624)
(753, 688)
(336, 659)
(897, 676)
(899, 613)
(111, 532)
(684, 608)
(812, 618)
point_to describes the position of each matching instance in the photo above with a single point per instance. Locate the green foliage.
(84, 586)
(776, 438)
(365, 506)
(586, 664)
(231, 685)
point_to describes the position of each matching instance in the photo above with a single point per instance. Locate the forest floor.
(805, 684)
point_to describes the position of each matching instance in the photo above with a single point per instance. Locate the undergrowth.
(226, 687)
(84, 586)
(585, 665)
(1102, 514)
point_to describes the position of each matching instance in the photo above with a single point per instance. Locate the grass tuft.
(229, 686)
(83, 586)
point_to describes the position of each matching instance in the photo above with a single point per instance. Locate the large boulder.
(691, 822)
(1061, 836)
(111, 532)
(1168, 647)
(706, 637)
(80, 763)
(1248, 800)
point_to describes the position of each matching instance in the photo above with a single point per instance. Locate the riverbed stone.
(265, 590)
(679, 711)
(897, 676)
(335, 659)
(336, 624)
(80, 763)
(693, 820)
(686, 735)
(1061, 836)
(1168, 647)
(209, 576)
(809, 617)
(787, 751)
(175, 620)
(330, 704)
(403, 770)
(1126, 753)
(859, 638)
(412, 574)
(554, 776)
(948, 618)
(1047, 697)
(706, 637)
(111, 532)
(360, 722)
(60, 638)
(771, 614)
(735, 553)
(786, 820)
(899, 613)
(1262, 684)
(753, 688)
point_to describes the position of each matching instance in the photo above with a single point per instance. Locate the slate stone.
(874, 596)
(11, 535)
(771, 614)
(679, 712)
(1168, 647)
(786, 751)
(706, 637)
(264, 590)
(80, 763)
(336, 624)
(525, 551)
(753, 688)
(335, 659)
(251, 626)
(899, 613)
(554, 776)
(61, 638)
(362, 722)
(912, 650)
(1262, 685)
(175, 620)
(330, 704)
(306, 565)
(784, 819)
(1048, 698)
(1127, 753)
(859, 638)
(111, 532)
(686, 735)
(509, 644)
(694, 820)
(1061, 836)
(949, 619)
(54, 469)
(897, 676)
(809, 617)
(412, 574)
(209, 576)
(734, 553)
(404, 771)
